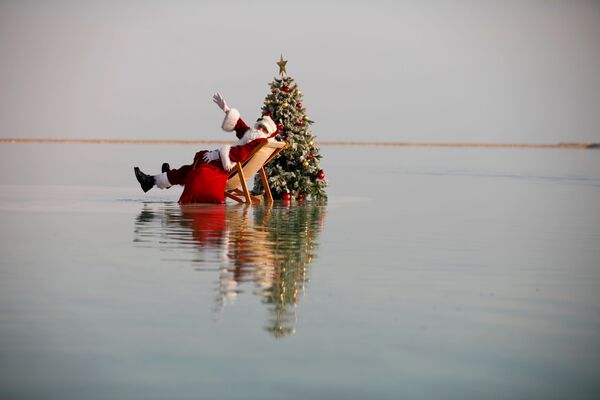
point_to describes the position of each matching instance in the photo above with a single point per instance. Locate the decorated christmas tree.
(295, 173)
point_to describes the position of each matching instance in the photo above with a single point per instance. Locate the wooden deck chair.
(237, 183)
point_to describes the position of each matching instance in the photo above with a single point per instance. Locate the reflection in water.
(267, 247)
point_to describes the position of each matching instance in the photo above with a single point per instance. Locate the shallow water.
(430, 273)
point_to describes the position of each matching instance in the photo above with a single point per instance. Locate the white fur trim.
(225, 160)
(250, 135)
(231, 118)
(161, 181)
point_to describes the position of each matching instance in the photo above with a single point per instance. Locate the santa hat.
(268, 123)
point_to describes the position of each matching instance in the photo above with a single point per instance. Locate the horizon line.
(578, 145)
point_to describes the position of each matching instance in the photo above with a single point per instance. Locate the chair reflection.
(267, 248)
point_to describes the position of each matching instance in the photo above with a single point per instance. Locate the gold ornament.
(284, 105)
(274, 90)
(281, 64)
(311, 143)
(267, 102)
(305, 163)
(299, 92)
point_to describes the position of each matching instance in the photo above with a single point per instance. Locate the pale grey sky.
(479, 71)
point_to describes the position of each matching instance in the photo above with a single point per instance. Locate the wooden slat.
(255, 162)
(234, 197)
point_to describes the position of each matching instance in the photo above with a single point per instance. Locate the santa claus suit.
(205, 180)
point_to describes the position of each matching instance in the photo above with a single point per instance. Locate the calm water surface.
(430, 273)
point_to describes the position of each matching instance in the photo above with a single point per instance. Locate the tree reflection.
(267, 248)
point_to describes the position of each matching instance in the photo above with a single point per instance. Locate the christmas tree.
(295, 173)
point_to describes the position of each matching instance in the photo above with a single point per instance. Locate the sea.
(429, 273)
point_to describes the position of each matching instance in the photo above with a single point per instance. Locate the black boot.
(146, 181)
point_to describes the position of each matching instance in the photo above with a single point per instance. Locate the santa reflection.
(265, 249)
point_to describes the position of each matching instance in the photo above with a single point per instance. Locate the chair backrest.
(261, 155)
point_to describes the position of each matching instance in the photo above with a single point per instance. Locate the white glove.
(210, 156)
(220, 101)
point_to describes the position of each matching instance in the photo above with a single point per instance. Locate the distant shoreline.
(320, 143)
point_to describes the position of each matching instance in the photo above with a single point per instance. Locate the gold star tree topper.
(281, 64)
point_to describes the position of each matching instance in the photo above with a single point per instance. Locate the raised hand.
(220, 101)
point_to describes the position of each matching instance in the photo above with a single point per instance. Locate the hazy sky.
(484, 71)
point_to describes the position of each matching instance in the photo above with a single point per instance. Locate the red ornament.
(321, 175)
(287, 196)
(280, 127)
(310, 156)
(286, 89)
(267, 114)
(299, 105)
(300, 122)
(300, 196)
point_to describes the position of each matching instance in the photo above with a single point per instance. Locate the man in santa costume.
(205, 178)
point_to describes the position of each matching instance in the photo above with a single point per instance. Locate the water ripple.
(269, 247)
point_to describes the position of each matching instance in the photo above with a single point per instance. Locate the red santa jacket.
(205, 182)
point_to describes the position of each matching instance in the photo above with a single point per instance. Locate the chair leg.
(263, 176)
(244, 184)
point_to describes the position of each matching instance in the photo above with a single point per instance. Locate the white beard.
(250, 135)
